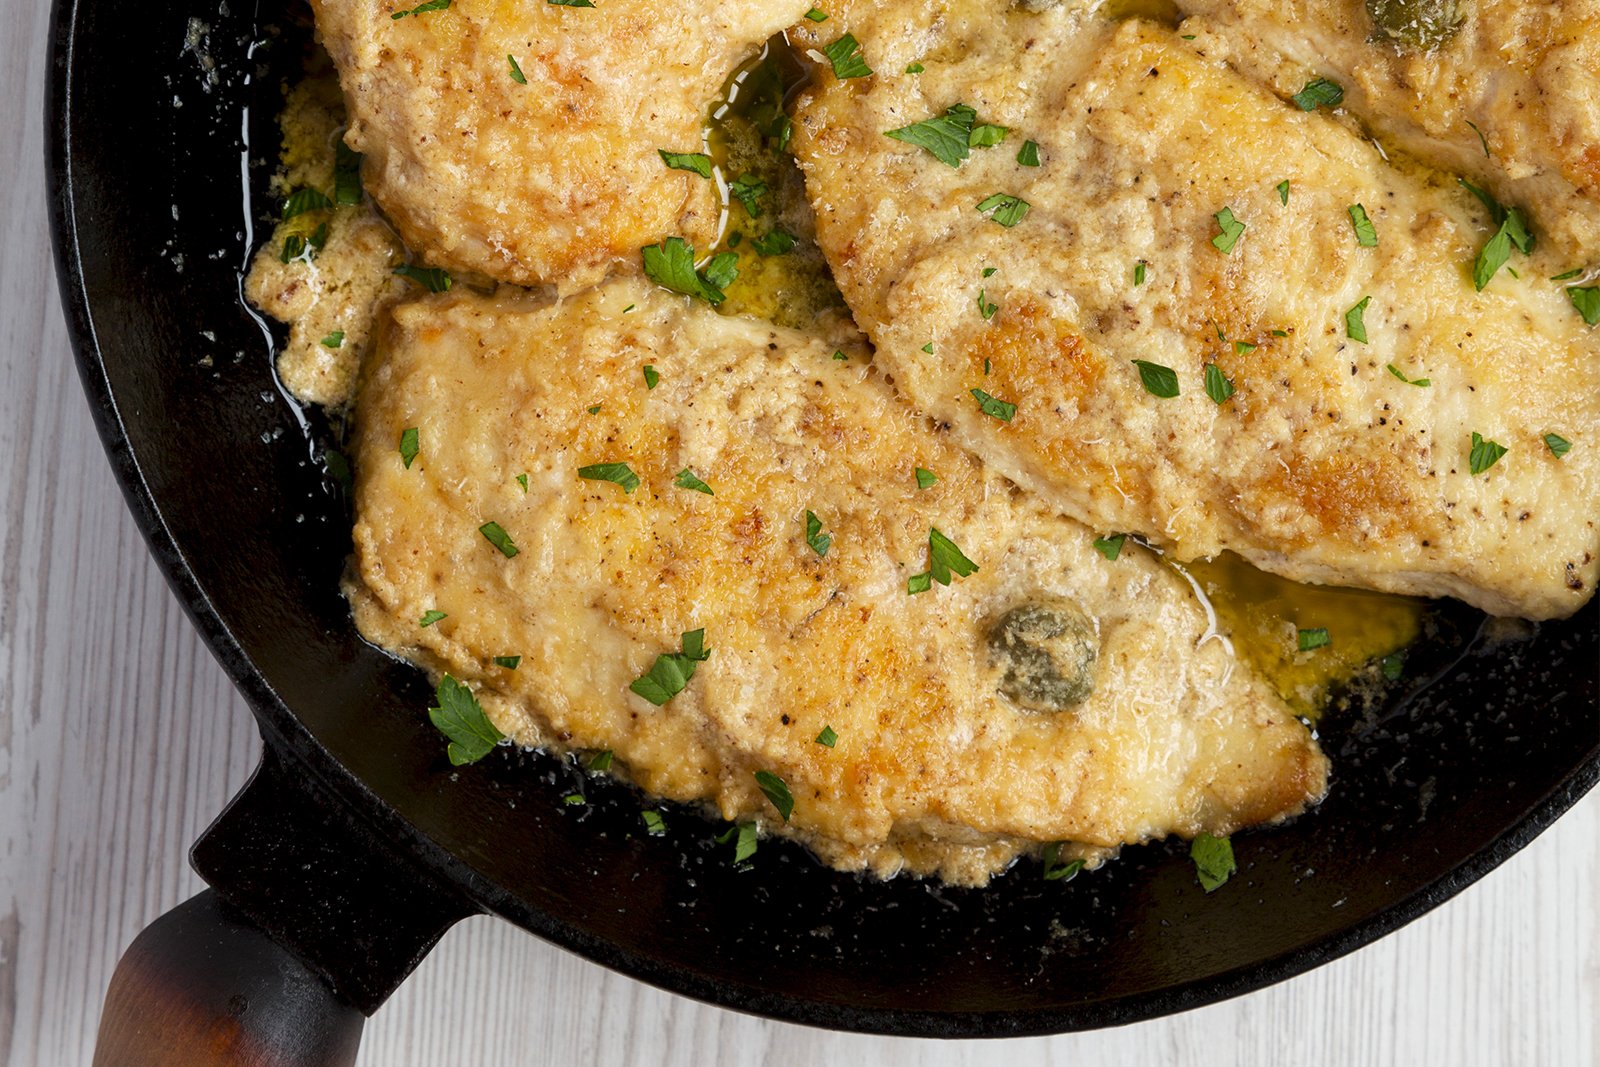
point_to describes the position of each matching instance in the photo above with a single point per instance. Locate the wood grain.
(120, 739)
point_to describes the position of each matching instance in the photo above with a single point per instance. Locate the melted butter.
(744, 138)
(1264, 613)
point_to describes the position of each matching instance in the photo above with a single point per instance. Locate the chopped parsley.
(925, 478)
(1481, 138)
(1283, 192)
(346, 174)
(748, 189)
(652, 377)
(570, 3)
(1558, 445)
(671, 266)
(1393, 665)
(819, 541)
(1218, 387)
(334, 340)
(619, 473)
(460, 717)
(687, 479)
(722, 269)
(600, 761)
(432, 279)
(839, 355)
(410, 445)
(1573, 273)
(510, 663)
(1484, 453)
(431, 616)
(987, 135)
(430, 5)
(744, 838)
(1158, 380)
(516, 71)
(999, 409)
(1307, 640)
(1511, 230)
(928, 348)
(827, 738)
(1140, 271)
(1110, 547)
(1231, 230)
(1003, 208)
(496, 535)
(817, 15)
(947, 136)
(1398, 373)
(671, 671)
(574, 800)
(777, 792)
(1587, 301)
(694, 162)
(776, 243)
(654, 825)
(303, 200)
(1241, 347)
(944, 558)
(985, 308)
(1366, 232)
(522, 480)
(1055, 868)
(1213, 861)
(845, 55)
(1028, 154)
(1319, 92)
(1355, 321)
(915, 68)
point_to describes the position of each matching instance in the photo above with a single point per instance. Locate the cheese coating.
(934, 770)
(1522, 71)
(556, 180)
(1324, 465)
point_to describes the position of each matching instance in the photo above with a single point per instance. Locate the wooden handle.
(203, 986)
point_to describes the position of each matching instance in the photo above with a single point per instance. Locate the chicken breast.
(1223, 322)
(1430, 76)
(1051, 694)
(520, 140)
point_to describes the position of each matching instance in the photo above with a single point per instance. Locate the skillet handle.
(202, 985)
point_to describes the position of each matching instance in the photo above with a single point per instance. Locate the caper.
(1047, 651)
(1424, 24)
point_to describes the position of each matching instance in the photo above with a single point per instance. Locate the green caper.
(1424, 24)
(1046, 651)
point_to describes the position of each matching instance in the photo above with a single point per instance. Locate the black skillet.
(356, 844)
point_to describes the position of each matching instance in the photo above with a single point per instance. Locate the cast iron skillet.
(356, 845)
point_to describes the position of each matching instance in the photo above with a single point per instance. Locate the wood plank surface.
(120, 739)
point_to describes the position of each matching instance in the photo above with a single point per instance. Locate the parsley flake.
(748, 189)
(1028, 154)
(570, 3)
(510, 663)
(431, 616)
(303, 200)
(1110, 547)
(817, 15)
(744, 838)
(1218, 387)
(671, 266)
(460, 717)
(1366, 232)
(1398, 373)
(948, 137)
(600, 761)
(1484, 141)
(670, 673)
(496, 535)
(845, 55)
(819, 541)
(925, 478)
(1140, 271)
(1484, 453)
(694, 162)
(652, 377)
(420, 9)
(1306, 640)
(1558, 445)
(620, 473)
(522, 480)
(516, 71)
(1231, 230)
(1004, 208)
(432, 279)
(1573, 273)
(1055, 868)
(1283, 192)
(1393, 665)
(986, 135)
(776, 243)
(827, 738)
(574, 800)
(944, 558)
(928, 348)
(985, 308)
(1158, 380)
(410, 445)
(1319, 92)
(999, 409)
(1587, 301)
(687, 479)
(777, 792)
(1355, 321)
(346, 174)
(654, 825)
(334, 340)
(915, 68)
(839, 355)
(1213, 861)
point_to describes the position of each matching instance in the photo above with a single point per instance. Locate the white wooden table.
(120, 739)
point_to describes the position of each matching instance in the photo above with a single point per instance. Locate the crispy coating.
(556, 180)
(1324, 465)
(934, 770)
